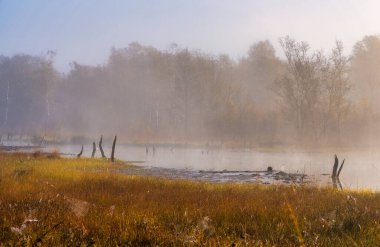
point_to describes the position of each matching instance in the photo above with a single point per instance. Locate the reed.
(57, 201)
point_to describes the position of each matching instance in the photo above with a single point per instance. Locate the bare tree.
(299, 89)
(336, 90)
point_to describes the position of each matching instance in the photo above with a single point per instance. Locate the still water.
(361, 169)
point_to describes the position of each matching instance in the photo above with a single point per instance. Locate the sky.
(84, 31)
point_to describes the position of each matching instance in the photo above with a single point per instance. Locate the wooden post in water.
(80, 153)
(336, 173)
(93, 150)
(340, 169)
(100, 147)
(335, 167)
(113, 149)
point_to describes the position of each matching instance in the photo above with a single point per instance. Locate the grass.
(52, 201)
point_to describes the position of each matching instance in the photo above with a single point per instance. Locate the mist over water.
(178, 96)
(360, 170)
(200, 123)
(224, 111)
(278, 104)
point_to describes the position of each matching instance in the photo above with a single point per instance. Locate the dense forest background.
(302, 96)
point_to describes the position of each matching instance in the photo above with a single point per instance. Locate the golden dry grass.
(54, 201)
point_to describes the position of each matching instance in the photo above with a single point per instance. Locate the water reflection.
(336, 173)
(336, 183)
(361, 167)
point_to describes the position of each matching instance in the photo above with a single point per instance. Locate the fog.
(308, 98)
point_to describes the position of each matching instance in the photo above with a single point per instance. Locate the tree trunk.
(335, 167)
(340, 169)
(80, 153)
(113, 149)
(93, 150)
(100, 147)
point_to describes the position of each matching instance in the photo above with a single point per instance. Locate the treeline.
(182, 96)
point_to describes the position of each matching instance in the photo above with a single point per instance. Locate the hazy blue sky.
(85, 30)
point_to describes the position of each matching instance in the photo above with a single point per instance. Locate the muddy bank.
(259, 177)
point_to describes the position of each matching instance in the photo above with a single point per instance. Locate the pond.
(361, 169)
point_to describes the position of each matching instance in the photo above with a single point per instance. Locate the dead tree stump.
(336, 173)
(113, 149)
(341, 167)
(93, 150)
(80, 153)
(100, 147)
(335, 167)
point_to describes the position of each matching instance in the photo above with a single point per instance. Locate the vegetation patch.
(84, 202)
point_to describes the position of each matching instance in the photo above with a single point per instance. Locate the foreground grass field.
(54, 201)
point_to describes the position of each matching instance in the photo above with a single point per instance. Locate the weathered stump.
(101, 148)
(80, 153)
(113, 149)
(93, 150)
(335, 167)
(336, 173)
(340, 169)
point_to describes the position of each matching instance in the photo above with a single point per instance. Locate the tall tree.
(300, 87)
(365, 72)
(26, 81)
(336, 90)
(258, 71)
